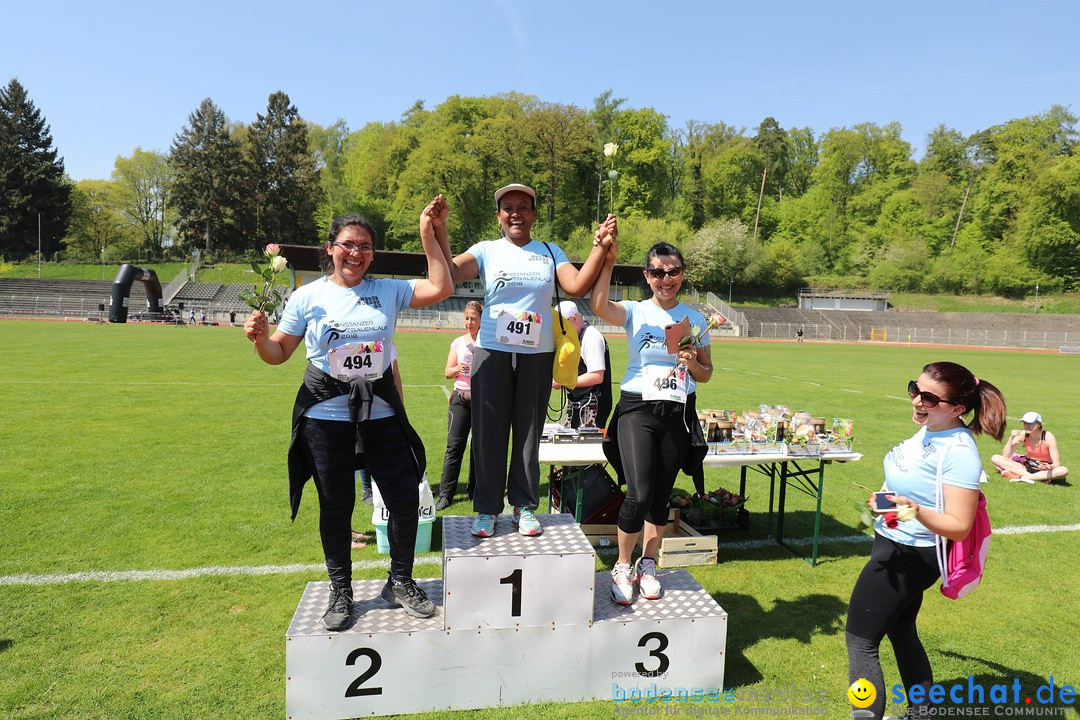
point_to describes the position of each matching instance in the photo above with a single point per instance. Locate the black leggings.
(457, 437)
(652, 448)
(329, 447)
(886, 602)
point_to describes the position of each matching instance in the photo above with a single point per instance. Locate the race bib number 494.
(518, 328)
(357, 360)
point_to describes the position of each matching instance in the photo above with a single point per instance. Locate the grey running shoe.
(409, 596)
(339, 610)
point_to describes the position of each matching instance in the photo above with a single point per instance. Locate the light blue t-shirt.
(327, 316)
(645, 323)
(517, 280)
(911, 471)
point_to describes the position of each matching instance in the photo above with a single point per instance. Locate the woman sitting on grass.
(1031, 454)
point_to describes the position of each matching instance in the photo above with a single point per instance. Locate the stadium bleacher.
(81, 298)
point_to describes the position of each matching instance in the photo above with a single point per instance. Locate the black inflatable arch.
(121, 292)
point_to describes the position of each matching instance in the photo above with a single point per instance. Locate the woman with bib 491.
(512, 361)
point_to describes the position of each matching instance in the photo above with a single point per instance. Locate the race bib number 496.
(663, 383)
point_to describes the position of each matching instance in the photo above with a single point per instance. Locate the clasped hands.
(606, 235)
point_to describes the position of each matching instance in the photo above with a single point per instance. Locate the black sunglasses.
(929, 399)
(660, 273)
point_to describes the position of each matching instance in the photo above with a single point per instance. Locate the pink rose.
(273, 250)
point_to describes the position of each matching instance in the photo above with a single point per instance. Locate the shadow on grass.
(748, 622)
(5, 644)
(836, 540)
(1042, 693)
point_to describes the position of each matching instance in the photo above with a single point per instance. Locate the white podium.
(520, 620)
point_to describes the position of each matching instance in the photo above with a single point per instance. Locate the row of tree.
(998, 211)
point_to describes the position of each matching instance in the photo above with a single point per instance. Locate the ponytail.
(980, 397)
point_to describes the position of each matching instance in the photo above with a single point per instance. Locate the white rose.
(611, 149)
(278, 263)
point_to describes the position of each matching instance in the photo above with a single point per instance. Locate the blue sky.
(113, 76)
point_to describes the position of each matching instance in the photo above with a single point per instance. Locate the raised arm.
(464, 267)
(610, 312)
(1015, 437)
(578, 282)
(439, 284)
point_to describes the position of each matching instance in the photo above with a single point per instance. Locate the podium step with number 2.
(520, 620)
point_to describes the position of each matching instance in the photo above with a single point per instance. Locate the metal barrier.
(901, 334)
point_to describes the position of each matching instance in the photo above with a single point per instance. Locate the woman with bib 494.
(512, 361)
(348, 413)
(653, 427)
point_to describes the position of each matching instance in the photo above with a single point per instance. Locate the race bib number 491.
(518, 328)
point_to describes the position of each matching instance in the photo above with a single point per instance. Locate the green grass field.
(153, 448)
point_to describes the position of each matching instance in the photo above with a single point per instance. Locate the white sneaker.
(622, 583)
(648, 585)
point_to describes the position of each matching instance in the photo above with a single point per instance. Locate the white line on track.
(893, 397)
(129, 575)
(780, 377)
(852, 391)
(807, 382)
(123, 383)
(423, 559)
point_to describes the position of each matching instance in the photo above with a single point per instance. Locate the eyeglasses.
(350, 248)
(929, 399)
(661, 273)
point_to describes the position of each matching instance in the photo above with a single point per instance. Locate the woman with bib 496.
(653, 426)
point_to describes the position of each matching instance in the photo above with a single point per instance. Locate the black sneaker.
(442, 504)
(410, 597)
(339, 610)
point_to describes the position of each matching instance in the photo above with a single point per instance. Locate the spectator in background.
(191, 317)
(459, 369)
(202, 316)
(594, 376)
(1031, 454)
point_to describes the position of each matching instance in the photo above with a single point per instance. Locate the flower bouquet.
(719, 509)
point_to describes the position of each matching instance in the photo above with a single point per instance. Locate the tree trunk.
(761, 193)
(959, 217)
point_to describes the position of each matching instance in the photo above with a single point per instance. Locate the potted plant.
(719, 509)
